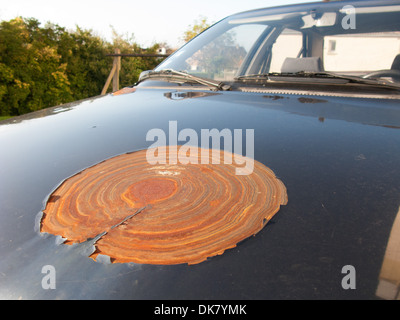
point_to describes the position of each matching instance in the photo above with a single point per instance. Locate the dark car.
(119, 196)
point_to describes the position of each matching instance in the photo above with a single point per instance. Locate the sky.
(150, 22)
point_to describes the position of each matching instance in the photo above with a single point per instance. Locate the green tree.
(131, 67)
(87, 65)
(195, 29)
(31, 73)
(46, 66)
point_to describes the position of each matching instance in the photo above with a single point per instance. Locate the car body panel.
(338, 158)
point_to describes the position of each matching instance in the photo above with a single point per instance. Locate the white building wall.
(357, 53)
(360, 53)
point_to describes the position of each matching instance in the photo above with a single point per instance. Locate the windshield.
(357, 42)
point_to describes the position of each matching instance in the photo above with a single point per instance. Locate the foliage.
(218, 57)
(32, 74)
(132, 67)
(195, 29)
(46, 66)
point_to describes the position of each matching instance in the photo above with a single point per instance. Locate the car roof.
(336, 4)
(372, 16)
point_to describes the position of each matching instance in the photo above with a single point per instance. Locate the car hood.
(337, 156)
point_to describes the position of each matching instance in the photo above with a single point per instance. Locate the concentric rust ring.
(163, 213)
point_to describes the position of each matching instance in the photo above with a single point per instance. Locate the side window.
(287, 45)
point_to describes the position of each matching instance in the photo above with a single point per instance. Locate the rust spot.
(214, 203)
(151, 190)
(53, 198)
(124, 91)
(162, 214)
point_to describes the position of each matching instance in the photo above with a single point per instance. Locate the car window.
(221, 58)
(358, 54)
(260, 43)
(287, 45)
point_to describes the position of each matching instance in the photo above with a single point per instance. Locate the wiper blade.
(184, 76)
(320, 75)
(262, 76)
(353, 79)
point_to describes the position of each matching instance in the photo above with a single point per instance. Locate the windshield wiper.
(319, 75)
(185, 77)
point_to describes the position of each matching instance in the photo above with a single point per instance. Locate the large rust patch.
(162, 214)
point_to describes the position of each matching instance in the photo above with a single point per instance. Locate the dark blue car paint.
(338, 157)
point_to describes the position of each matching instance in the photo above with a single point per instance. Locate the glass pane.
(358, 54)
(287, 45)
(221, 58)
